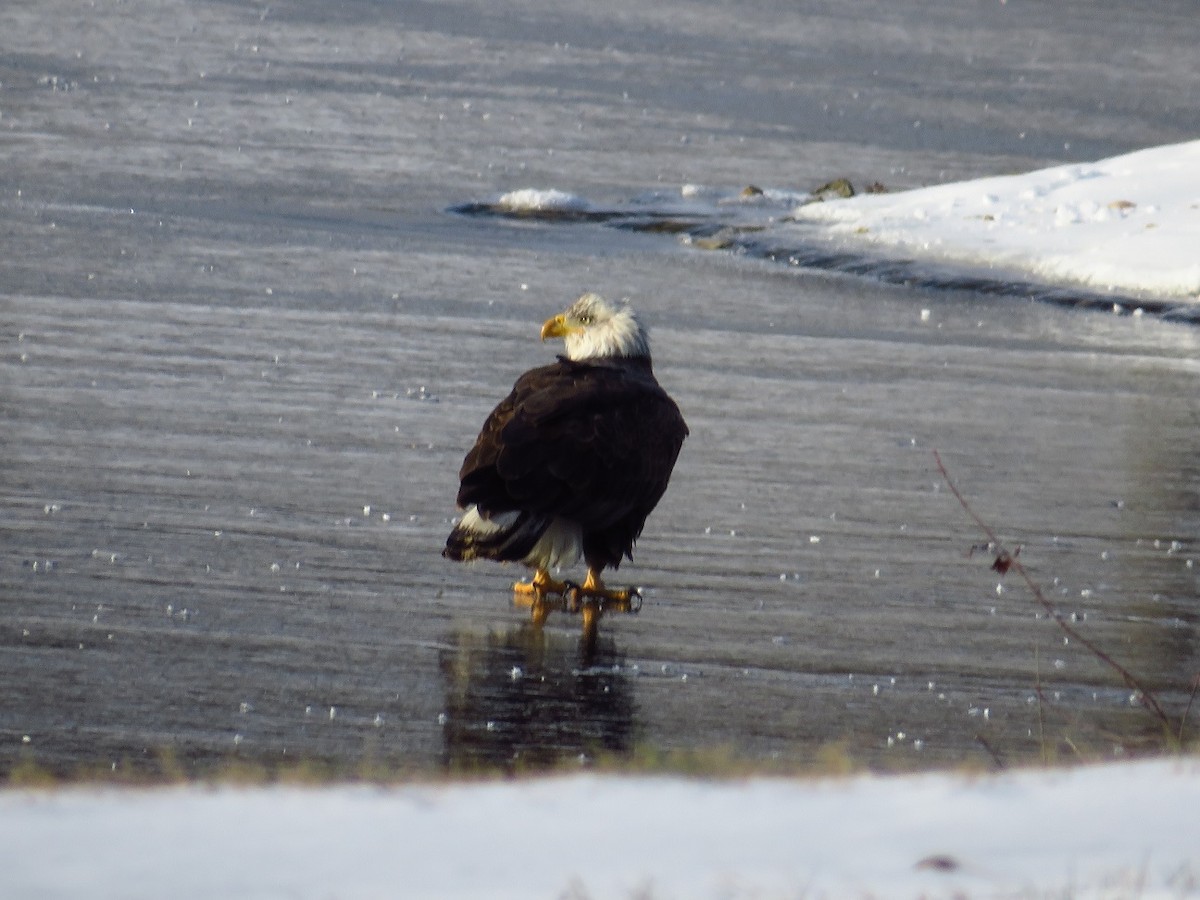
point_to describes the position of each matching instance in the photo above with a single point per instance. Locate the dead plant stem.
(1145, 697)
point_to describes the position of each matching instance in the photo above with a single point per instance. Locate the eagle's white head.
(592, 328)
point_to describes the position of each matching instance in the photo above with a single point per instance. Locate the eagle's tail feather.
(506, 537)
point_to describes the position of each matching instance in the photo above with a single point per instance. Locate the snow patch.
(542, 200)
(1112, 830)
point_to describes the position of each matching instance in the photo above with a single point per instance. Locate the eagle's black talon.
(572, 593)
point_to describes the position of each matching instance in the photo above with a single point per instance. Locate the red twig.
(1006, 561)
(1191, 699)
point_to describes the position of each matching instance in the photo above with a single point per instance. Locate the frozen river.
(244, 345)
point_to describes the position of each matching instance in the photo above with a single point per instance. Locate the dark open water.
(244, 346)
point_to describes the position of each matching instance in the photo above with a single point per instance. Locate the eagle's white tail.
(537, 540)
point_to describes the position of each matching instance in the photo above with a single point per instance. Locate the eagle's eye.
(585, 319)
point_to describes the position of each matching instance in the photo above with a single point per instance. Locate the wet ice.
(311, 228)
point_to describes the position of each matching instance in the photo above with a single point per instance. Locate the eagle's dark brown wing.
(593, 442)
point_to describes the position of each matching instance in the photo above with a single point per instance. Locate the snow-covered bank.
(1129, 223)
(1126, 228)
(1114, 830)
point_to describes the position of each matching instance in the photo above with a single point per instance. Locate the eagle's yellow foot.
(616, 599)
(536, 592)
(592, 599)
(539, 586)
(543, 595)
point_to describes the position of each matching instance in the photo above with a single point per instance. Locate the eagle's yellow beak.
(556, 327)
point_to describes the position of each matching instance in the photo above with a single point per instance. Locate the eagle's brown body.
(590, 442)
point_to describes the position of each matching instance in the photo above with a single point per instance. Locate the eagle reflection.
(529, 698)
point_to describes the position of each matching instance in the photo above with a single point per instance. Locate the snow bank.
(1129, 223)
(1112, 830)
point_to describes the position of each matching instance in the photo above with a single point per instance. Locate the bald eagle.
(573, 460)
